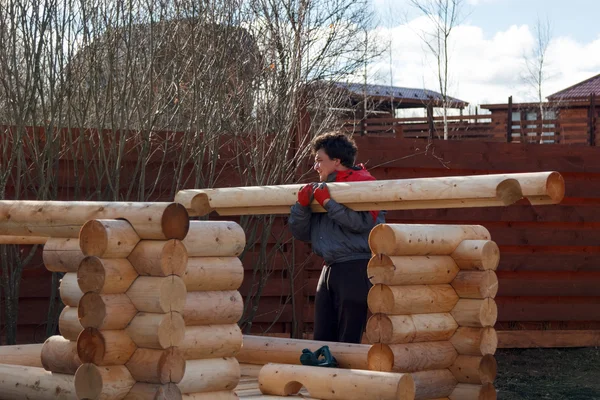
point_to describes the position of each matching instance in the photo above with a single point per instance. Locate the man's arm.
(354, 221)
(299, 222)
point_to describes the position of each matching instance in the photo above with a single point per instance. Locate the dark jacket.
(340, 234)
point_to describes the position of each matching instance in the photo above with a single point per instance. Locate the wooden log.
(68, 323)
(335, 383)
(211, 341)
(498, 190)
(102, 383)
(70, 294)
(213, 273)
(105, 311)
(157, 331)
(422, 240)
(106, 276)
(210, 375)
(475, 369)
(411, 357)
(105, 348)
(60, 355)
(479, 255)
(159, 258)
(62, 254)
(525, 339)
(30, 383)
(382, 328)
(157, 366)
(149, 391)
(64, 219)
(221, 395)
(26, 355)
(475, 341)
(436, 383)
(252, 370)
(412, 299)
(262, 350)
(215, 239)
(25, 240)
(475, 313)
(476, 284)
(466, 391)
(154, 294)
(408, 270)
(213, 308)
(107, 238)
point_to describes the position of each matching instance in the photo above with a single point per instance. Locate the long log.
(460, 191)
(412, 299)
(433, 384)
(25, 240)
(159, 257)
(411, 357)
(213, 308)
(382, 328)
(422, 240)
(477, 255)
(157, 366)
(475, 341)
(102, 383)
(68, 323)
(215, 239)
(157, 331)
(475, 313)
(213, 273)
(108, 347)
(474, 369)
(408, 270)
(31, 383)
(107, 238)
(70, 294)
(26, 355)
(62, 254)
(60, 355)
(106, 276)
(64, 219)
(105, 311)
(151, 391)
(335, 383)
(154, 294)
(476, 284)
(262, 350)
(466, 391)
(210, 375)
(220, 395)
(211, 341)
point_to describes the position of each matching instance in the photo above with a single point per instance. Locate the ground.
(556, 374)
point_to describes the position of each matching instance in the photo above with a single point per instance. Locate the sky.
(489, 47)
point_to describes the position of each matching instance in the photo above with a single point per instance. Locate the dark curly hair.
(336, 145)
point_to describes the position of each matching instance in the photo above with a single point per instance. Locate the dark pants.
(341, 302)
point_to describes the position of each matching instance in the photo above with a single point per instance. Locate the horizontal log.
(150, 391)
(475, 341)
(411, 270)
(70, 294)
(477, 370)
(107, 238)
(215, 239)
(411, 357)
(60, 355)
(106, 276)
(382, 328)
(102, 383)
(548, 308)
(525, 339)
(334, 383)
(213, 308)
(220, 395)
(64, 219)
(19, 382)
(105, 311)
(480, 255)
(476, 284)
(412, 299)
(464, 391)
(26, 355)
(211, 341)
(25, 240)
(157, 366)
(213, 273)
(157, 331)
(62, 254)
(433, 384)
(159, 258)
(157, 294)
(475, 313)
(105, 348)
(68, 323)
(262, 350)
(210, 375)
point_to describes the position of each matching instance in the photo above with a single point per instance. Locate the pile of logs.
(433, 308)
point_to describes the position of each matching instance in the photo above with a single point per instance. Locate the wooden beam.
(548, 339)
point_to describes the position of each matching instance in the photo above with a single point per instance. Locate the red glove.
(305, 195)
(322, 193)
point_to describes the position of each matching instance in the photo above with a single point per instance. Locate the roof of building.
(402, 95)
(580, 90)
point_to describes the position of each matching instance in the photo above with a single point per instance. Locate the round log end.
(489, 341)
(201, 205)
(93, 238)
(509, 191)
(91, 274)
(91, 346)
(171, 366)
(406, 387)
(88, 382)
(373, 329)
(488, 369)
(380, 299)
(555, 187)
(490, 255)
(171, 330)
(380, 358)
(174, 258)
(173, 294)
(382, 240)
(491, 284)
(380, 269)
(91, 310)
(488, 314)
(175, 221)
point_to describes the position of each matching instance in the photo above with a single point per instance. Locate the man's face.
(325, 165)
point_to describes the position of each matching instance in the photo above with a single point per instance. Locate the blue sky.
(489, 47)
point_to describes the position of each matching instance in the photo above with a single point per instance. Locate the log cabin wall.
(549, 273)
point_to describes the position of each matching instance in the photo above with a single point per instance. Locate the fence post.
(509, 121)
(592, 121)
(430, 119)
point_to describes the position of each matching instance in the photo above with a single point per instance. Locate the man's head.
(333, 151)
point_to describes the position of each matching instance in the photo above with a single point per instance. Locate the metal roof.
(580, 90)
(400, 94)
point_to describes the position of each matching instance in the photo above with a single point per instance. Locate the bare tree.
(444, 16)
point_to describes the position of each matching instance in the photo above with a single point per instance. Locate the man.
(340, 236)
